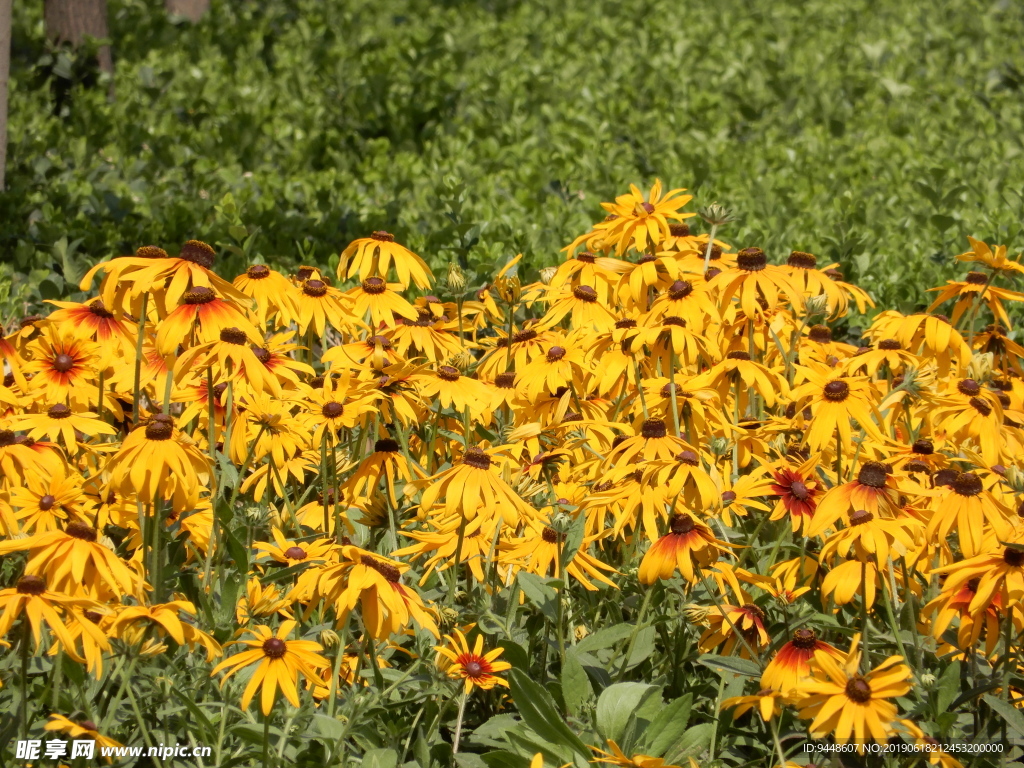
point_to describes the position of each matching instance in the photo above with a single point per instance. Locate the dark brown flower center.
(262, 353)
(673, 320)
(1012, 557)
(555, 354)
(945, 477)
(505, 381)
(889, 344)
(969, 387)
(295, 553)
(680, 289)
(274, 647)
(388, 571)
(199, 295)
(58, 411)
(586, 257)
(802, 260)
(858, 690)
(551, 536)
(81, 531)
(63, 363)
(304, 273)
(976, 278)
(159, 429)
(860, 517)
(625, 323)
(315, 288)
(798, 491)
(448, 373)
(728, 497)
(688, 457)
(199, 253)
(476, 457)
(666, 390)
(30, 585)
(980, 406)
(820, 333)
(150, 252)
(917, 466)
(967, 484)
(97, 308)
(924, 447)
(89, 725)
(679, 230)
(836, 391)
(738, 354)
(751, 260)
(680, 524)
(6, 438)
(258, 272)
(332, 410)
(873, 474)
(648, 208)
(653, 428)
(385, 445)
(233, 336)
(382, 236)
(525, 335)
(805, 639)
(46, 502)
(374, 285)
(585, 293)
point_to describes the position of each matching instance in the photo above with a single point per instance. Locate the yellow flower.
(375, 255)
(476, 668)
(841, 702)
(280, 663)
(617, 757)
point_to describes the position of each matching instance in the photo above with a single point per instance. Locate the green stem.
(865, 660)
(636, 631)
(453, 584)
(138, 356)
(711, 244)
(458, 723)
(23, 704)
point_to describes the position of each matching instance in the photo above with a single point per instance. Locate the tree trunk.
(193, 10)
(5, 69)
(71, 21)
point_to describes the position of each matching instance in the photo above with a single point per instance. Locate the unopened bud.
(509, 289)
(329, 638)
(548, 274)
(817, 305)
(696, 614)
(463, 361)
(456, 279)
(717, 215)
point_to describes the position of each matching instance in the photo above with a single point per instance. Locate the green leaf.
(539, 712)
(503, 759)
(668, 727)
(694, 740)
(615, 706)
(729, 664)
(329, 727)
(573, 539)
(1013, 716)
(949, 685)
(576, 687)
(380, 758)
(643, 646)
(604, 638)
(540, 594)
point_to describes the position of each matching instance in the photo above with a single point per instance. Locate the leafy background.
(878, 134)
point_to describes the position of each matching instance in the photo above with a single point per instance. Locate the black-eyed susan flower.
(60, 424)
(61, 363)
(280, 663)
(471, 487)
(767, 702)
(287, 553)
(615, 756)
(996, 260)
(688, 545)
(202, 315)
(79, 729)
(379, 303)
(451, 389)
(792, 662)
(376, 255)
(642, 222)
(158, 461)
(849, 706)
(999, 571)
(476, 668)
(539, 550)
(967, 507)
(166, 619)
(273, 294)
(836, 401)
(45, 503)
(32, 601)
(798, 491)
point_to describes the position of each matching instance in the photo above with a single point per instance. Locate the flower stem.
(138, 357)
(458, 723)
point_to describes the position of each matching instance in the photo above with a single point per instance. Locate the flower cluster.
(372, 450)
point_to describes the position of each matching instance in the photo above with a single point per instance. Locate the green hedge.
(878, 134)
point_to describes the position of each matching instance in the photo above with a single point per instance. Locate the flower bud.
(717, 215)
(509, 289)
(329, 638)
(548, 274)
(456, 279)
